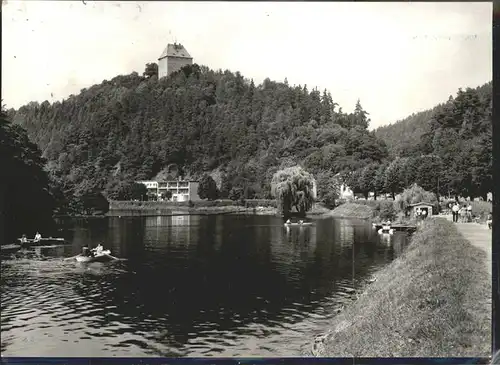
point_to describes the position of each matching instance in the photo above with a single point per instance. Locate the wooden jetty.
(395, 227)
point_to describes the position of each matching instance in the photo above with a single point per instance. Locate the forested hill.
(402, 137)
(133, 126)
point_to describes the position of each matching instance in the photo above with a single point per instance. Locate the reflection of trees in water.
(169, 231)
(346, 233)
(291, 243)
(238, 270)
(399, 242)
(125, 235)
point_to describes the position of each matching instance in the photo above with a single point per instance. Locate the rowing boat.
(100, 257)
(42, 241)
(385, 230)
(298, 224)
(8, 249)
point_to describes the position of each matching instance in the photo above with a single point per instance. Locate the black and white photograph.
(246, 179)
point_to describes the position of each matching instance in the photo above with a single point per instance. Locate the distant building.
(345, 191)
(173, 58)
(182, 190)
(421, 206)
(152, 186)
(315, 189)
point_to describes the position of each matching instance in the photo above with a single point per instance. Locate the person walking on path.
(454, 211)
(469, 213)
(463, 214)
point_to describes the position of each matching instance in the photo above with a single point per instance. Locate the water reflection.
(192, 286)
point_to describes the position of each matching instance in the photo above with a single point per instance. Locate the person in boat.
(288, 221)
(301, 222)
(38, 237)
(99, 249)
(24, 239)
(87, 252)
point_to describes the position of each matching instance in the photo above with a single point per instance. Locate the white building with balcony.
(182, 190)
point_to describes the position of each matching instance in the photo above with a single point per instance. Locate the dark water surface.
(192, 286)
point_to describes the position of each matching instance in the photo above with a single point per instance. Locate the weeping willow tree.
(293, 187)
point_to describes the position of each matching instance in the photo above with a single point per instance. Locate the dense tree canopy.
(207, 188)
(446, 150)
(209, 122)
(26, 204)
(132, 127)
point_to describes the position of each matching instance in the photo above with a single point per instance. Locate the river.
(230, 285)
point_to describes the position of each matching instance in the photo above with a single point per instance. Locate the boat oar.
(114, 258)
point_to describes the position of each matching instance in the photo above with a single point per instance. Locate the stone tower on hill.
(173, 58)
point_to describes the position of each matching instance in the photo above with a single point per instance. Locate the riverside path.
(478, 235)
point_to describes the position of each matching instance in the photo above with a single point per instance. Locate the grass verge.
(352, 210)
(433, 301)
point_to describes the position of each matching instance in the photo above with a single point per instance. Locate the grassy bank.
(434, 300)
(352, 210)
(198, 204)
(254, 206)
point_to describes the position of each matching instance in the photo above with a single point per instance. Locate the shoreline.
(351, 210)
(136, 209)
(426, 319)
(132, 209)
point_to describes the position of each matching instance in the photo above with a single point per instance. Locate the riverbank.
(433, 301)
(261, 207)
(351, 210)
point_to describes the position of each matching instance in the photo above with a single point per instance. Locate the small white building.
(173, 58)
(315, 190)
(345, 191)
(182, 190)
(152, 186)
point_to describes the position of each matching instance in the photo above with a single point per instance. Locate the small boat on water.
(386, 229)
(298, 224)
(8, 249)
(98, 257)
(41, 241)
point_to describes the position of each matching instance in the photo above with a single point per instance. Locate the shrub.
(481, 209)
(387, 210)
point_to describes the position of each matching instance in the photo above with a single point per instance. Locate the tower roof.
(175, 50)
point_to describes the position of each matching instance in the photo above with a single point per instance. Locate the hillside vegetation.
(402, 137)
(204, 121)
(131, 127)
(25, 201)
(446, 150)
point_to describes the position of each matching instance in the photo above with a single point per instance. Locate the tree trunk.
(393, 194)
(375, 195)
(438, 203)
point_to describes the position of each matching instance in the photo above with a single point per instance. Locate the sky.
(397, 58)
